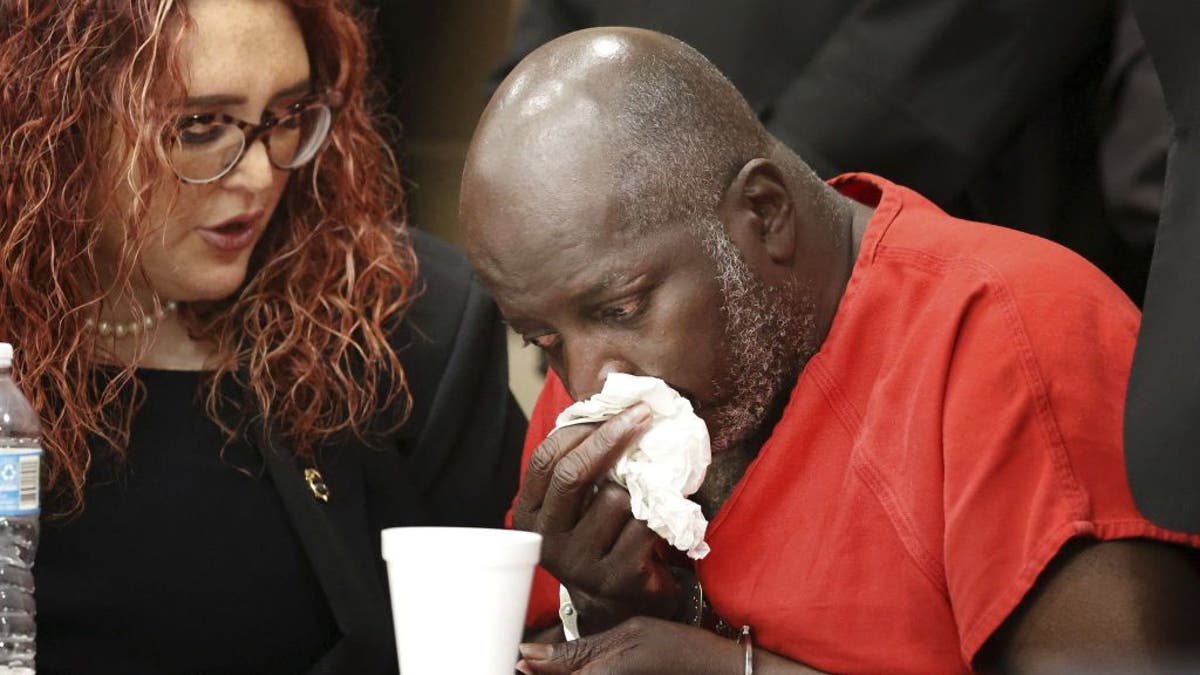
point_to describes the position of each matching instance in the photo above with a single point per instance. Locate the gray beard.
(770, 333)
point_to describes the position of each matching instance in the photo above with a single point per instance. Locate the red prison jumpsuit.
(961, 421)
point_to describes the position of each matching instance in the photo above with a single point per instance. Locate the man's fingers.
(566, 657)
(606, 652)
(605, 518)
(540, 659)
(638, 544)
(635, 542)
(584, 465)
(541, 467)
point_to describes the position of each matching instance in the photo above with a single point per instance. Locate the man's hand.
(639, 646)
(610, 562)
(645, 646)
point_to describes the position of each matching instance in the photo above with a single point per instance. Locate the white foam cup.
(459, 596)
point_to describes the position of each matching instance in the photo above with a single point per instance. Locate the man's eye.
(543, 341)
(622, 311)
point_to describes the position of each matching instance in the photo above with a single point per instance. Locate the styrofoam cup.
(459, 596)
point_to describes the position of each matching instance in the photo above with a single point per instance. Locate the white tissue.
(667, 464)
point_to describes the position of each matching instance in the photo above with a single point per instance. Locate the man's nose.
(587, 368)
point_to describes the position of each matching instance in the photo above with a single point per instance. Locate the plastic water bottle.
(20, 460)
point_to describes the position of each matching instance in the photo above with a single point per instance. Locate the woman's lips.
(231, 236)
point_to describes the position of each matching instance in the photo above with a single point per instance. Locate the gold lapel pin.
(316, 484)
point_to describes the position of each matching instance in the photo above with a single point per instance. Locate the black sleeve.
(924, 91)
(1162, 429)
(463, 438)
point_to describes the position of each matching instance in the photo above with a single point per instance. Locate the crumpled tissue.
(668, 462)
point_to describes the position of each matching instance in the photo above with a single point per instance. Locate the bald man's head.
(630, 214)
(635, 115)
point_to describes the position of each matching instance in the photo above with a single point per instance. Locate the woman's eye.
(201, 133)
(292, 116)
(543, 341)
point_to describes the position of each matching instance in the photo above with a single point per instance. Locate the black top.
(184, 562)
(1162, 429)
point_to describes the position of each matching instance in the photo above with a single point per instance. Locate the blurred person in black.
(1045, 117)
(1162, 432)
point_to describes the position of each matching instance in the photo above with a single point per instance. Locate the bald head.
(617, 190)
(629, 116)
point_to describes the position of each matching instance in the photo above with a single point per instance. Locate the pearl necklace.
(146, 324)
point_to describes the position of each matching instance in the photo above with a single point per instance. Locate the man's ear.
(757, 211)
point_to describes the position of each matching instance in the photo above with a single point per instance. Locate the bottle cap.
(6, 354)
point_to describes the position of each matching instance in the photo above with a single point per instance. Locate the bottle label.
(20, 481)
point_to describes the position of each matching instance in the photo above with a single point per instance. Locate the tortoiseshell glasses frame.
(205, 147)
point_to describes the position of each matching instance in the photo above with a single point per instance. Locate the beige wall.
(448, 48)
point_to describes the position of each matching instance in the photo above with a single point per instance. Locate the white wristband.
(567, 614)
(747, 643)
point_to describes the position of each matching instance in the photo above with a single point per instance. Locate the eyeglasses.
(205, 147)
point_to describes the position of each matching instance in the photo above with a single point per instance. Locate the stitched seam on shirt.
(971, 641)
(923, 259)
(1047, 424)
(891, 202)
(1035, 384)
(845, 410)
(906, 530)
(930, 565)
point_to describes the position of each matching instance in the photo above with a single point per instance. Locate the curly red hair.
(96, 83)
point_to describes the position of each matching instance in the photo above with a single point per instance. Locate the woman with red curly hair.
(244, 363)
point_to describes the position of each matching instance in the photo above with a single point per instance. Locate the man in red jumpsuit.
(916, 420)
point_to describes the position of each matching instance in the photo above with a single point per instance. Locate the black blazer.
(454, 462)
(1162, 430)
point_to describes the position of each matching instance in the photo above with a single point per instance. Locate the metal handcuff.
(696, 612)
(700, 613)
